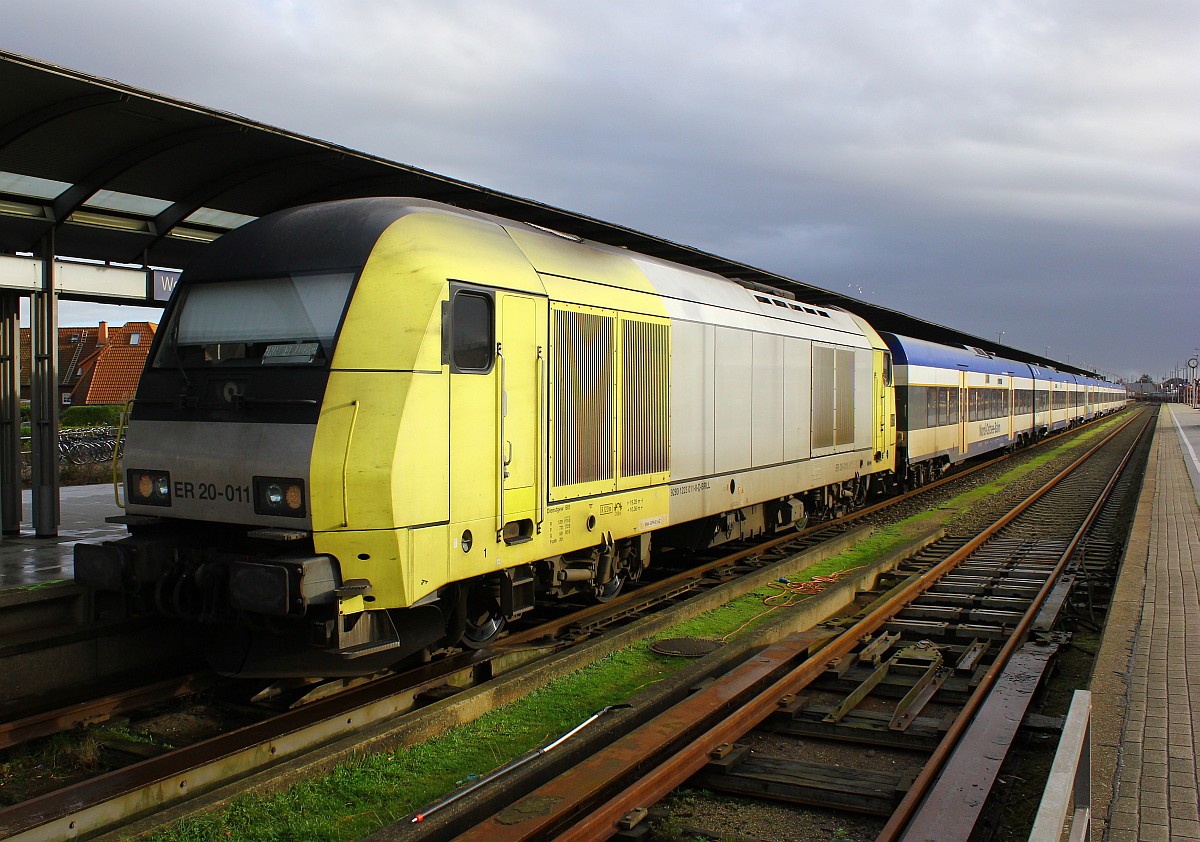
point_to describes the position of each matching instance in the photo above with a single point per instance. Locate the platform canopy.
(124, 175)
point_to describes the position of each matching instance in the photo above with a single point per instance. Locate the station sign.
(162, 284)
(96, 281)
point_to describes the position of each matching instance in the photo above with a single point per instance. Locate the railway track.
(35, 627)
(66, 693)
(936, 674)
(152, 784)
(158, 782)
(51, 657)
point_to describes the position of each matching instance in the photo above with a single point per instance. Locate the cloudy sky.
(1022, 166)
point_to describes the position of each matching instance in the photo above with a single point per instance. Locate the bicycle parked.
(89, 445)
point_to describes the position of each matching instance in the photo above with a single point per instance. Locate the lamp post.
(1192, 363)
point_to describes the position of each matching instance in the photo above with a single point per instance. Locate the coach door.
(964, 414)
(885, 407)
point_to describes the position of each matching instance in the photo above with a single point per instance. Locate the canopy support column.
(43, 397)
(10, 412)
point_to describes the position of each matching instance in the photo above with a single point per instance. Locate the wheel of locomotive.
(485, 622)
(610, 589)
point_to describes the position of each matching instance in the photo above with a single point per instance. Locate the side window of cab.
(469, 333)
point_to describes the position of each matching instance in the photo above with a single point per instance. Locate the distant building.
(96, 365)
(110, 375)
(75, 344)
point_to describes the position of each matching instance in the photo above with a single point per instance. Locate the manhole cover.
(684, 647)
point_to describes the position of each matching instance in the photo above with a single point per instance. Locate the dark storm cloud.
(1015, 166)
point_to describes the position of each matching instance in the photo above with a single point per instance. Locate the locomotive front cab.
(222, 427)
(288, 451)
(219, 486)
(217, 489)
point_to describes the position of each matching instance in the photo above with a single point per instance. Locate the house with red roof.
(75, 344)
(96, 365)
(110, 374)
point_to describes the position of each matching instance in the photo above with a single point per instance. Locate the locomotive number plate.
(185, 490)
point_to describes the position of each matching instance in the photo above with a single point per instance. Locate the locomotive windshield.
(271, 321)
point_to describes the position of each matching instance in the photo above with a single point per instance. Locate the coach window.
(472, 332)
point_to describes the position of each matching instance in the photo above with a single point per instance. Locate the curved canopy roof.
(129, 176)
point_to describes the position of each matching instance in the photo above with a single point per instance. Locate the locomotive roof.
(309, 238)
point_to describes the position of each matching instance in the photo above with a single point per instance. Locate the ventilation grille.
(583, 398)
(822, 397)
(844, 414)
(832, 397)
(644, 423)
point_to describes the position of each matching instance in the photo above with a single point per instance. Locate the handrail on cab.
(117, 452)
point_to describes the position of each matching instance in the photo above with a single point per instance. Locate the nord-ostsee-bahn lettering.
(441, 416)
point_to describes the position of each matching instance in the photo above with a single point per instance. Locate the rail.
(1070, 781)
(925, 780)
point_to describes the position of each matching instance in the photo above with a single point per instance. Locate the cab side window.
(472, 332)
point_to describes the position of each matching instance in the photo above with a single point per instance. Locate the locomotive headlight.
(281, 496)
(148, 488)
(294, 497)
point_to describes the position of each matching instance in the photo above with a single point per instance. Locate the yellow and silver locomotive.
(377, 427)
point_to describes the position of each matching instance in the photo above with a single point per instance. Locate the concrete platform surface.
(1146, 684)
(28, 560)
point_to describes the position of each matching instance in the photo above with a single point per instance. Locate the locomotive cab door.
(520, 354)
(496, 409)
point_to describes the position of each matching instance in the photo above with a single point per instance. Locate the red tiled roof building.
(75, 344)
(110, 374)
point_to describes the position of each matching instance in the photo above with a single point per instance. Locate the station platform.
(1146, 682)
(26, 560)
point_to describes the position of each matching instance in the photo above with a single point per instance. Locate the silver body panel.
(212, 466)
(742, 395)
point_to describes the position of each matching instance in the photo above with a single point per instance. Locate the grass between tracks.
(374, 790)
